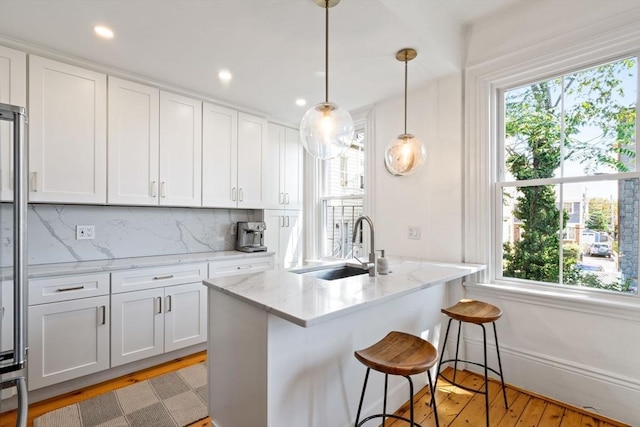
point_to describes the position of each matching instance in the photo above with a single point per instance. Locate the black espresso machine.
(250, 236)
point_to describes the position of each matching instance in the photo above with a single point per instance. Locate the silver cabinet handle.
(168, 303)
(159, 305)
(286, 198)
(233, 194)
(163, 189)
(168, 276)
(154, 189)
(34, 182)
(282, 221)
(287, 220)
(282, 198)
(243, 267)
(241, 195)
(73, 288)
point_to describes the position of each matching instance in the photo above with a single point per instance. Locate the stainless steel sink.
(333, 272)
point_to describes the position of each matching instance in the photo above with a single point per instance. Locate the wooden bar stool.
(478, 312)
(398, 354)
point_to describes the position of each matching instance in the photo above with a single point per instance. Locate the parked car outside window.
(600, 249)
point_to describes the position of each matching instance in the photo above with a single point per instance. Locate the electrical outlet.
(85, 232)
(414, 232)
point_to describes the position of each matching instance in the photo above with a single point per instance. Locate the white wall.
(577, 347)
(431, 198)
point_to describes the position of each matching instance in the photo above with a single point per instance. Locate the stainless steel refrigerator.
(13, 354)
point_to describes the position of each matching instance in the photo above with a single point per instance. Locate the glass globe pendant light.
(406, 153)
(326, 130)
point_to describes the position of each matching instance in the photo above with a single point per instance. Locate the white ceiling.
(274, 48)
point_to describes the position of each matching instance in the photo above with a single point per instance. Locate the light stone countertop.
(307, 301)
(105, 266)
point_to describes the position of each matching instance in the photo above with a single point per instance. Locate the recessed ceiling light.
(224, 76)
(104, 32)
(301, 102)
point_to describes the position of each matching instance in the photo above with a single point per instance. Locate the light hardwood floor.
(456, 407)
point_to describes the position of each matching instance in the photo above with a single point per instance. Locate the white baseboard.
(605, 393)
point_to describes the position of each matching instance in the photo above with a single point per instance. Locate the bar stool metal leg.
(504, 390)
(433, 398)
(364, 388)
(442, 353)
(455, 364)
(486, 374)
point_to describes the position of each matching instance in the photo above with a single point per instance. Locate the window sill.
(625, 307)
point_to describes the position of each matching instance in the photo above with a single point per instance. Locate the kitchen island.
(280, 344)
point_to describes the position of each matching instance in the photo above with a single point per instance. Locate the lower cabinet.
(150, 322)
(153, 321)
(68, 328)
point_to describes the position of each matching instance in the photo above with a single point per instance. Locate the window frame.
(485, 84)
(363, 118)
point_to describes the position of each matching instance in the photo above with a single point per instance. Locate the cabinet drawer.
(64, 288)
(242, 266)
(155, 277)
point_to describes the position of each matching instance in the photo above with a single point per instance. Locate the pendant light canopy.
(406, 153)
(326, 129)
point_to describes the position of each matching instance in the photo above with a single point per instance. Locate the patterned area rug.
(173, 399)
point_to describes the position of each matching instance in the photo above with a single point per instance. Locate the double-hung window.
(342, 197)
(566, 195)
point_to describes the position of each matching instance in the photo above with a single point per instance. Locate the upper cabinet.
(219, 156)
(154, 146)
(232, 158)
(67, 133)
(134, 143)
(180, 150)
(13, 90)
(283, 156)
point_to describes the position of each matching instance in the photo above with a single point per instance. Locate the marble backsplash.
(121, 232)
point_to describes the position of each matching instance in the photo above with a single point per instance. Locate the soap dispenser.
(383, 263)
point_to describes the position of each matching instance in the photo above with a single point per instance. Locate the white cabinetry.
(180, 150)
(253, 264)
(134, 143)
(282, 179)
(67, 133)
(13, 90)
(154, 146)
(68, 328)
(157, 310)
(232, 149)
(6, 315)
(283, 236)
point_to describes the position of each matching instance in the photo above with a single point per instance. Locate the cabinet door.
(273, 219)
(13, 90)
(137, 325)
(290, 239)
(185, 321)
(67, 133)
(67, 340)
(180, 150)
(292, 170)
(252, 134)
(134, 115)
(6, 315)
(219, 156)
(273, 172)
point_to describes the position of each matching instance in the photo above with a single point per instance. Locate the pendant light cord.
(406, 72)
(326, 52)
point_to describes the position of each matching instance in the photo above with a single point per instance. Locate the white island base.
(281, 344)
(265, 371)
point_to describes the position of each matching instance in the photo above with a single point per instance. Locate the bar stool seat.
(479, 313)
(398, 353)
